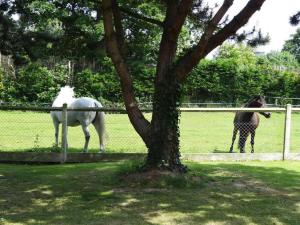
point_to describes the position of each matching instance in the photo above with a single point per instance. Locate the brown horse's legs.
(252, 140)
(242, 139)
(242, 142)
(233, 138)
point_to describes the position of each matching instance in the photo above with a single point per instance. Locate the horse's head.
(259, 101)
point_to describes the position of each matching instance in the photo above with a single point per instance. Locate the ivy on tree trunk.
(164, 146)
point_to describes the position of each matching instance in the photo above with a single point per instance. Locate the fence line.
(287, 122)
(121, 110)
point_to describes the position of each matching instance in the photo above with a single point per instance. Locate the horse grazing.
(247, 122)
(76, 118)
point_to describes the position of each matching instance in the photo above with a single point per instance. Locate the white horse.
(76, 118)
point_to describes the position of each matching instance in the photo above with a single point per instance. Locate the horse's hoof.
(252, 151)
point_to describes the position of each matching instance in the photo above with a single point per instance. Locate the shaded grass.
(212, 193)
(200, 133)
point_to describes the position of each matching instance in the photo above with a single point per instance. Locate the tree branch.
(141, 125)
(295, 19)
(236, 23)
(209, 41)
(177, 12)
(141, 17)
(191, 58)
(118, 26)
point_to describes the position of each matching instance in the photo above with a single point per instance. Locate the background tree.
(295, 19)
(293, 45)
(57, 29)
(161, 135)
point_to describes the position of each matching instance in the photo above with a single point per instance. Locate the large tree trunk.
(163, 151)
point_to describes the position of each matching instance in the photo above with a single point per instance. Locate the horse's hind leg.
(99, 126)
(242, 140)
(235, 130)
(56, 127)
(87, 137)
(252, 140)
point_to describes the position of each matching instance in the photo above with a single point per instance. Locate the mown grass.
(261, 193)
(200, 133)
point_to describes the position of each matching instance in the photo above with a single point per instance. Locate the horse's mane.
(65, 95)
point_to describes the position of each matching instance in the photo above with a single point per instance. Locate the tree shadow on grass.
(218, 193)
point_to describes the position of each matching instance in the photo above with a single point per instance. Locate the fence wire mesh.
(295, 132)
(34, 131)
(212, 132)
(201, 132)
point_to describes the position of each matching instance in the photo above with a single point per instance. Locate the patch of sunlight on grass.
(107, 213)
(216, 223)
(276, 221)
(166, 218)
(6, 222)
(40, 202)
(129, 202)
(47, 192)
(234, 219)
(60, 202)
(106, 193)
(207, 207)
(45, 189)
(164, 205)
(298, 207)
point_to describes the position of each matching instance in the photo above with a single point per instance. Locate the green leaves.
(293, 45)
(237, 73)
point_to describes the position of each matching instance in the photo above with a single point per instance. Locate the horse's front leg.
(87, 137)
(252, 140)
(243, 137)
(56, 127)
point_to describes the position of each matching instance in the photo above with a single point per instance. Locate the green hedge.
(219, 80)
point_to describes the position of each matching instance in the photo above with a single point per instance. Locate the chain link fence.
(212, 132)
(204, 131)
(34, 131)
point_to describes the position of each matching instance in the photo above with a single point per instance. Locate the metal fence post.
(287, 132)
(64, 134)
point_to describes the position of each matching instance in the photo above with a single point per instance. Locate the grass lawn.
(200, 133)
(261, 193)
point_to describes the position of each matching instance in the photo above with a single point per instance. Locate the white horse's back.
(78, 117)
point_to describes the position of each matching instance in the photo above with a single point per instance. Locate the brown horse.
(247, 122)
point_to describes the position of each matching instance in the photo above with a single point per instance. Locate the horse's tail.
(99, 122)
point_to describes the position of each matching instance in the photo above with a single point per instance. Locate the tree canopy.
(293, 45)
